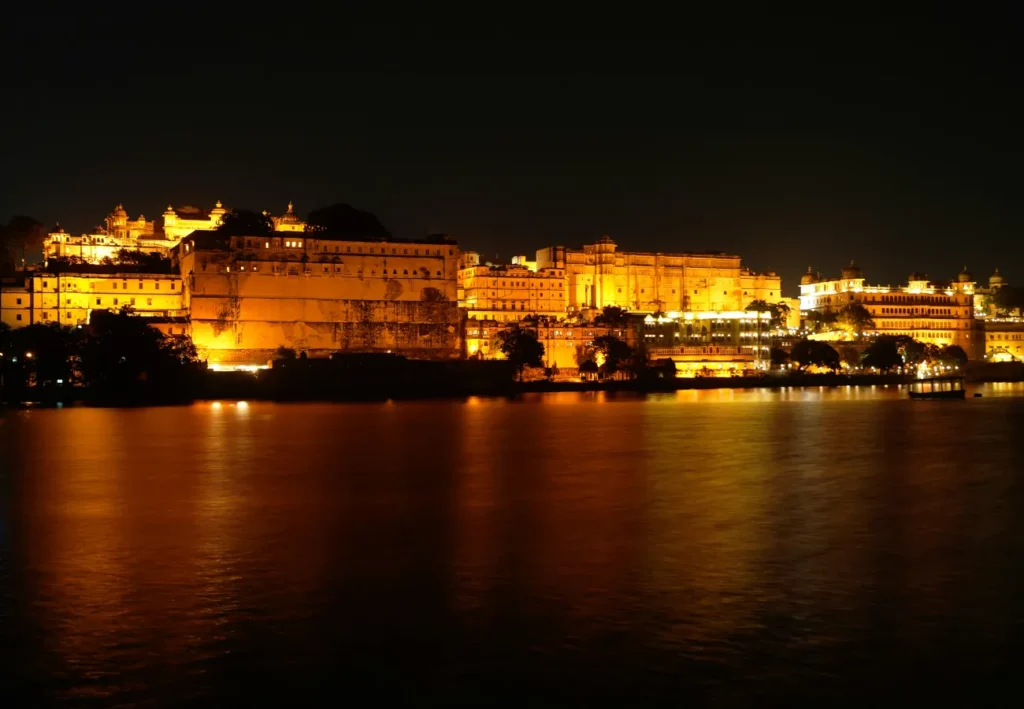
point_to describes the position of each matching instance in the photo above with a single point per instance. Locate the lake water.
(720, 547)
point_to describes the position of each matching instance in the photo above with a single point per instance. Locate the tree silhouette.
(665, 369)
(521, 348)
(18, 238)
(855, 319)
(617, 354)
(811, 353)
(952, 356)
(588, 369)
(611, 316)
(245, 222)
(849, 356)
(343, 220)
(779, 314)
(820, 320)
(124, 357)
(883, 354)
(778, 356)
(1008, 300)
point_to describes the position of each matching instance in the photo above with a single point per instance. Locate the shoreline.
(253, 389)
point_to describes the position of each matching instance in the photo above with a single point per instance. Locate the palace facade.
(248, 296)
(936, 312)
(70, 298)
(599, 275)
(152, 237)
(508, 292)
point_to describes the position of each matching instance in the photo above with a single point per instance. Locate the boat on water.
(938, 388)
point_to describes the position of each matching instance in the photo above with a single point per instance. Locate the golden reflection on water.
(158, 544)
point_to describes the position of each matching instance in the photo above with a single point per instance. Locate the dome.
(852, 271)
(771, 274)
(917, 276)
(290, 217)
(995, 279)
(119, 211)
(965, 276)
(808, 278)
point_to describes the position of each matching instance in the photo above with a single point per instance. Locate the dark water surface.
(718, 547)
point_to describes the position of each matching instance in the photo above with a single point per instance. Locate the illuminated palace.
(507, 293)
(599, 275)
(156, 237)
(1004, 328)
(936, 312)
(70, 298)
(247, 296)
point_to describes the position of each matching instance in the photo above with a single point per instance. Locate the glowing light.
(216, 404)
(237, 367)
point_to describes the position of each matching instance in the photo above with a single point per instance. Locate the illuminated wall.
(250, 295)
(15, 303)
(1004, 340)
(561, 342)
(178, 226)
(709, 361)
(69, 299)
(599, 275)
(507, 293)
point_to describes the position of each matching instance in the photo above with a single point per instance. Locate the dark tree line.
(117, 357)
(20, 238)
(885, 353)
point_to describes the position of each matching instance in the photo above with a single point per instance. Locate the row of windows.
(915, 299)
(124, 285)
(525, 284)
(1001, 336)
(912, 325)
(326, 248)
(255, 268)
(917, 311)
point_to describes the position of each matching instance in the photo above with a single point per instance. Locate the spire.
(291, 207)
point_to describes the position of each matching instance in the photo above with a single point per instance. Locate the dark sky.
(790, 140)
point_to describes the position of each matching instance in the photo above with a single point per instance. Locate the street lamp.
(28, 355)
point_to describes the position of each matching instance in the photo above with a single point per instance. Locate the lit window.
(266, 245)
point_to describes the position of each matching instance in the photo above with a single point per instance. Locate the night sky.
(792, 141)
